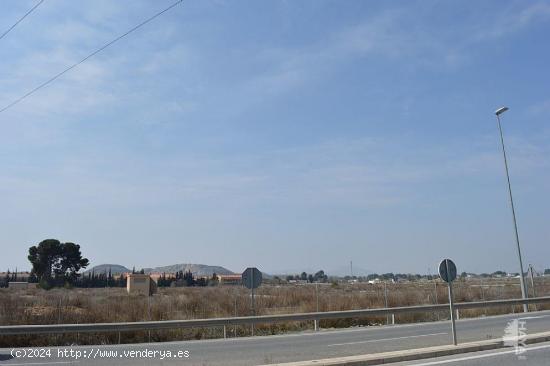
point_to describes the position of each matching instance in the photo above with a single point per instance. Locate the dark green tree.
(56, 263)
(122, 280)
(213, 280)
(7, 278)
(188, 279)
(71, 261)
(320, 276)
(33, 278)
(44, 257)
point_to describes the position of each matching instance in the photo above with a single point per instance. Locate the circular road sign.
(252, 277)
(447, 270)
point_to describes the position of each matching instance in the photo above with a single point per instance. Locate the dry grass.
(35, 306)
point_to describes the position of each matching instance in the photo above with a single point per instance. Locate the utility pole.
(435, 295)
(316, 321)
(317, 295)
(235, 326)
(386, 301)
(532, 282)
(482, 293)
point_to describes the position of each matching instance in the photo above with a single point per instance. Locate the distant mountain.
(104, 268)
(196, 269)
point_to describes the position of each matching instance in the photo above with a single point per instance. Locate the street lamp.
(498, 112)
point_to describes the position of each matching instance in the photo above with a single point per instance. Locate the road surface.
(534, 355)
(288, 347)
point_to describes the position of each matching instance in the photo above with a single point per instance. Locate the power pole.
(532, 282)
(386, 301)
(435, 297)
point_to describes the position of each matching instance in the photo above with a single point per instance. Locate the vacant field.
(35, 306)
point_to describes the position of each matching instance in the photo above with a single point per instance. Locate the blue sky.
(288, 135)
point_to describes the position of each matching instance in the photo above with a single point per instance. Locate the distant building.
(230, 279)
(298, 282)
(137, 283)
(16, 285)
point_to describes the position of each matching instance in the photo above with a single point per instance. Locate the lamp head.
(501, 110)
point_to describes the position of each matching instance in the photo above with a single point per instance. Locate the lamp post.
(498, 112)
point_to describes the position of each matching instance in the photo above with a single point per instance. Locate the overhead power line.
(53, 78)
(20, 19)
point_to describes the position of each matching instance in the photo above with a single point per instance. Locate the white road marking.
(534, 317)
(387, 339)
(42, 363)
(476, 357)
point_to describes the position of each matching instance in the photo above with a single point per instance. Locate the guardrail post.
(224, 332)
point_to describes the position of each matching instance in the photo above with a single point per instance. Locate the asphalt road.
(284, 348)
(534, 355)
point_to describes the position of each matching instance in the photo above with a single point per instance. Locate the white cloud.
(512, 19)
(540, 108)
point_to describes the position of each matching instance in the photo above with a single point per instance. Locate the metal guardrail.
(219, 322)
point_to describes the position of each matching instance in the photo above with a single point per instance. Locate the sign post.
(447, 272)
(252, 278)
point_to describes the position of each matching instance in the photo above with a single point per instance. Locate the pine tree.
(110, 281)
(188, 278)
(7, 278)
(33, 278)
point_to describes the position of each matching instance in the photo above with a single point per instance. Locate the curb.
(414, 354)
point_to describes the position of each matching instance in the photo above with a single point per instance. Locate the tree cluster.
(9, 277)
(319, 276)
(105, 279)
(186, 279)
